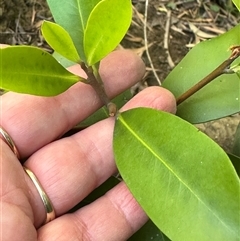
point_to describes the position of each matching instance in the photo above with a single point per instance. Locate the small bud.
(112, 109)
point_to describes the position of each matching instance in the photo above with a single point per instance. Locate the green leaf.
(62, 60)
(236, 68)
(237, 4)
(149, 232)
(182, 179)
(219, 98)
(106, 26)
(236, 144)
(59, 39)
(33, 71)
(72, 15)
(215, 8)
(236, 162)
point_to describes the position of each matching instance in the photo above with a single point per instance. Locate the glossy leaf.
(219, 98)
(33, 71)
(183, 180)
(59, 39)
(237, 4)
(72, 15)
(106, 26)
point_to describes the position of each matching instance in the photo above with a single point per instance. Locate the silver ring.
(9, 141)
(50, 213)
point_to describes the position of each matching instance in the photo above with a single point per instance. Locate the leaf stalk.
(223, 68)
(95, 81)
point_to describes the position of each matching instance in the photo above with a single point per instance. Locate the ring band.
(50, 213)
(9, 141)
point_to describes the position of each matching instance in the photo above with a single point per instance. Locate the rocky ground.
(170, 33)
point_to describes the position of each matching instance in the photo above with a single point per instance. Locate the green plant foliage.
(236, 68)
(219, 98)
(59, 39)
(106, 26)
(72, 15)
(62, 60)
(237, 4)
(33, 71)
(236, 144)
(236, 162)
(183, 180)
(149, 232)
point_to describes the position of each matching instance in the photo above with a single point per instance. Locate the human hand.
(70, 168)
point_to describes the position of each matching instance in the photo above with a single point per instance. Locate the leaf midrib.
(171, 170)
(80, 15)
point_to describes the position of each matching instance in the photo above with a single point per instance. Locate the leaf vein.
(171, 170)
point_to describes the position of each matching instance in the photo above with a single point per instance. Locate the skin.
(70, 168)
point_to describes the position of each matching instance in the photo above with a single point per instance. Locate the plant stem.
(223, 68)
(97, 84)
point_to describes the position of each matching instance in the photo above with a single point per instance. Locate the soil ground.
(170, 30)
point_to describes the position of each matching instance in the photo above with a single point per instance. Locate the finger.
(16, 210)
(115, 216)
(13, 217)
(70, 168)
(154, 97)
(33, 121)
(2, 46)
